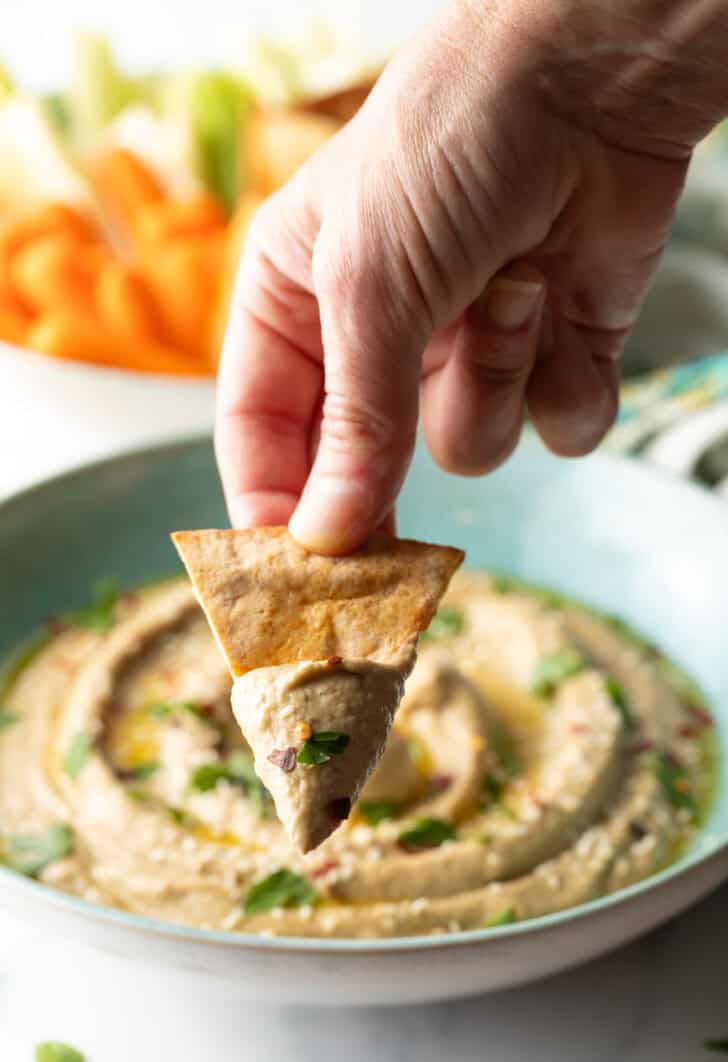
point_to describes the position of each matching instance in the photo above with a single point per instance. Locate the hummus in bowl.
(542, 756)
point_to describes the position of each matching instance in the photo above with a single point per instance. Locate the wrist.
(646, 75)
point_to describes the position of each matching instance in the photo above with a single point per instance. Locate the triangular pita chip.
(275, 608)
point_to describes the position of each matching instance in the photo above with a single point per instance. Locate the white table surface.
(654, 1001)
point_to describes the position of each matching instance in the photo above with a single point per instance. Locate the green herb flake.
(427, 833)
(77, 755)
(55, 1051)
(207, 775)
(237, 770)
(554, 669)
(505, 750)
(13, 665)
(162, 709)
(321, 746)
(675, 782)
(619, 700)
(180, 817)
(506, 917)
(99, 614)
(284, 888)
(719, 1046)
(242, 772)
(142, 771)
(504, 584)
(376, 811)
(491, 787)
(31, 853)
(8, 718)
(446, 623)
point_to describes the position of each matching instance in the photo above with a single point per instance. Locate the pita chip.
(319, 648)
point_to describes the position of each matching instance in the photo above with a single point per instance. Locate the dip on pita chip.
(319, 648)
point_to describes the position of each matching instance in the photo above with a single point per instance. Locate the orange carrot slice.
(125, 302)
(170, 219)
(78, 337)
(53, 218)
(125, 184)
(185, 282)
(55, 270)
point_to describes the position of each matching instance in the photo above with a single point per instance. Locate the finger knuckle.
(356, 429)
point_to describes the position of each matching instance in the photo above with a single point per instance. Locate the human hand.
(477, 240)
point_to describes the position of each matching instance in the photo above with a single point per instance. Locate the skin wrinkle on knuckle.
(354, 431)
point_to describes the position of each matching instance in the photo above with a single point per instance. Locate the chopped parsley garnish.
(142, 771)
(99, 614)
(181, 817)
(207, 775)
(164, 709)
(446, 623)
(16, 663)
(619, 700)
(376, 811)
(504, 918)
(77, 754)
(31, 853)
(284, 888)
(491, 787)
(427, 833)
(321, 746)
(504, 584)
(675, 782)
(55, 1051)
(720, 1046)
(550, 672)
(237, 770)
(8, 718)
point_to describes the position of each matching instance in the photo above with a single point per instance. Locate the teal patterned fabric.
(656, 402)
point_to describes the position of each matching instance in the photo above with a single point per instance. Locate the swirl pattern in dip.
(542, 756)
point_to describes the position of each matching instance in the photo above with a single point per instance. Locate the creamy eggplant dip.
(542, 756)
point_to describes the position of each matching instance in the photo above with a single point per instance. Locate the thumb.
(372, 361)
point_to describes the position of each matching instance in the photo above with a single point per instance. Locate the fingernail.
(509, 304)
(331, 515)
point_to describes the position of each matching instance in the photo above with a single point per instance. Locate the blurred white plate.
(56, 413)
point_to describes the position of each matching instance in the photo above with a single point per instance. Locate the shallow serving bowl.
(612, 533)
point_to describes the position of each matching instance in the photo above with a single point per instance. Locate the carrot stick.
(53, 218)
(78, 337)
(125, 185)
(13, 323)
(170, 219)
(56, 270)
(184, 281)
(126, 304)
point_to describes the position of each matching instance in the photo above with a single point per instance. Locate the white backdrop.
(35, 35)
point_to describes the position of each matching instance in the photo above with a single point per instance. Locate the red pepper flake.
(439, 783)
(642, 746)
(324, 868)
(700, 714)
(339, 809)
(637, 830)
(56, 625)
(284, 758)
(687, 731)
(580, 728)
(207, 710)
(334, 661)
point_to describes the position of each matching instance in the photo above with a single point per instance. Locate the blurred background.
(136, 140)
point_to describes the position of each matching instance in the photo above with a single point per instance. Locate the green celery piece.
(218, 106)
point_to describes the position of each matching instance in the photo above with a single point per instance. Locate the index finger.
(269, 389)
